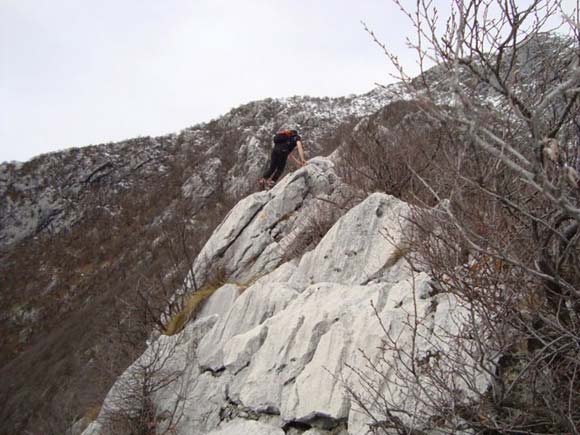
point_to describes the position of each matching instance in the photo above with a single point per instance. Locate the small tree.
(143, 316)
(504, 241)
(132, 405)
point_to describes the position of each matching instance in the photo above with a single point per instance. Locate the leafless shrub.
(150, 396)
(377, 153)
(504, 240)
(159, 305)
(161, 295)
(132, 406)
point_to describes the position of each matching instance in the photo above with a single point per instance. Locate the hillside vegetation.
(477, 160)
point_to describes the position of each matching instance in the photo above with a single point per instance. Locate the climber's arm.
(293, 157)
(300, 153)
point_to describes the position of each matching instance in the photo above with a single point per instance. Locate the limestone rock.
(220, 302)
(322, 312)
(250, 241)
(280, 353)
(358, 246)
(251, 309)
(205, 397)
(247, 427)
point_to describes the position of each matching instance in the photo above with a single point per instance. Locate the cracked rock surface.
(250, 241)
(277, 359)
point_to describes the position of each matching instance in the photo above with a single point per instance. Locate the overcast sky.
(76, 72)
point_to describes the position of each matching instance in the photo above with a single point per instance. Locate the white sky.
(79, 72)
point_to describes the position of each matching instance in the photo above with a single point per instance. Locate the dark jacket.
(288, 146)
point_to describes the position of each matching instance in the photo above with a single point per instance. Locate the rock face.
(279, 358)
(57, 208)
(251, 239)
(53, 192)
(70, 202)
(346, 254)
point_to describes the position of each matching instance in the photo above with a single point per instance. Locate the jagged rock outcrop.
(109, 209)
(345, 254)
(251, 239)
(91, 222)
(279, 358)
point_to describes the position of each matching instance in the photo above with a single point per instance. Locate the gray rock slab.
(254, 306)
(250, 240)
(358, 246)
(308, 337)
(281, 274)
(227, 232)
(281, 353)
(205, 398)
(246, 427)
(221, 301)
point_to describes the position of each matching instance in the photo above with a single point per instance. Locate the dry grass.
(192, 304)
(399, 252)
(92, 413)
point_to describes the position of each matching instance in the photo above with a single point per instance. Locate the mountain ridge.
(67, 215)
(83, 237)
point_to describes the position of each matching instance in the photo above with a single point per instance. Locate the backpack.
(282, 137)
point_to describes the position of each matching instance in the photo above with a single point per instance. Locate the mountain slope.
(281, 352)
(88, 235)
(82, 228)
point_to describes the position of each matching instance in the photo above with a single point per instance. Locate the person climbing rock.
(285, 141)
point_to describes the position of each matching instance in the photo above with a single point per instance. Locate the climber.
(284, 143)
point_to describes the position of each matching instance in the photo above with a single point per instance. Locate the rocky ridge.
(51, 196)
(54, 191)
(71, 217)
(276, 358)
